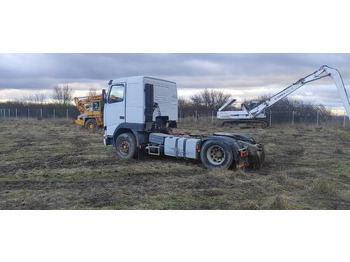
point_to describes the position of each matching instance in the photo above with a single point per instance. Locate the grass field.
(55, 164)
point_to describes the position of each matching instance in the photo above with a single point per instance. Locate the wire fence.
(38, 113)
(272, 117)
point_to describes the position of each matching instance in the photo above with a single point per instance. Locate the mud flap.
(256, 156)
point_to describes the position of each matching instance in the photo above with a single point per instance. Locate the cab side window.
(116, 94)
(96, 106)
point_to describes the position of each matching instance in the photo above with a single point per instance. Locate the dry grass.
(54, 164)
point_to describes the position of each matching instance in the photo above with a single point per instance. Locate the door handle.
(122, 117)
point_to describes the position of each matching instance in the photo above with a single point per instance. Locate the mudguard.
(235, 147)
(237, 136)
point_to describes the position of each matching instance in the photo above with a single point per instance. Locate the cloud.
(239, 74)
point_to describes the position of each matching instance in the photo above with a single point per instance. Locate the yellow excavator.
(91, 111)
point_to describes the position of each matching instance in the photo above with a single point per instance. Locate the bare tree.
(92, 92)
(37, 98)
(62, 95)
(212, 99)
(197, 100)
(182, 102)
(221, 98)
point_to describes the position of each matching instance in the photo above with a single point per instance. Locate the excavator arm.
(81, 102)
(80, 105)
(324, 71)
(334, 73)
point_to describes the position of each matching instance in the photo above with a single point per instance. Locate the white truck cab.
(130, 103)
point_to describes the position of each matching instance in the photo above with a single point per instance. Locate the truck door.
(114, 112)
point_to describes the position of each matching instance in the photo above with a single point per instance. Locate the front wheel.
(91, 124)
(216, 154)
(125, 145)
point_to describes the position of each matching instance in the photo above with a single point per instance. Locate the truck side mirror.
(104, 98)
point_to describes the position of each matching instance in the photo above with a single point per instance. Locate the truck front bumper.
(107, 141)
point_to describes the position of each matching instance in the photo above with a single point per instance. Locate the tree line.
(37, 105)
(61, 95)
(207, 102)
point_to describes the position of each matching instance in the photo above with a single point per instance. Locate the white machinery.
(254, 112)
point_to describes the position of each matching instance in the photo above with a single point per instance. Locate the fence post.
(293, 118)
(16, 113)
(9, 110)
(67, 113)
(344, 121)
(270, 118)
(180, 116)
(54, 113)
(41, 113)
(28, 113)
(196, 115)
(317, 118)
(212, 116)
(0, 113)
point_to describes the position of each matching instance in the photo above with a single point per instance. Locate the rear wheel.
(216, 154)
(91, 124)
(125, 145)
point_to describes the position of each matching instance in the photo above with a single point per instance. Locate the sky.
(242, 75)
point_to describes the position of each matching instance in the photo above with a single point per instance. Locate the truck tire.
(216, 154)
(125, 145)
(91, 124)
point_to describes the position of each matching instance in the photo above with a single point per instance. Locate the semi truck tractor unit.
(140, 114)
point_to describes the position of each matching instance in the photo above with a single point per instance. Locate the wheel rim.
(91, 126)
(216, 155)
(124, 147)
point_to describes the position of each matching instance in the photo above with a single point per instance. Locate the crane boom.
(334, 73)
(324, 71)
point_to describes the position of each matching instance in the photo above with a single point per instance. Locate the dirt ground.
(55, 164)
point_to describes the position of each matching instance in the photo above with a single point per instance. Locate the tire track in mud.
(52, 185)
(37, 161)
